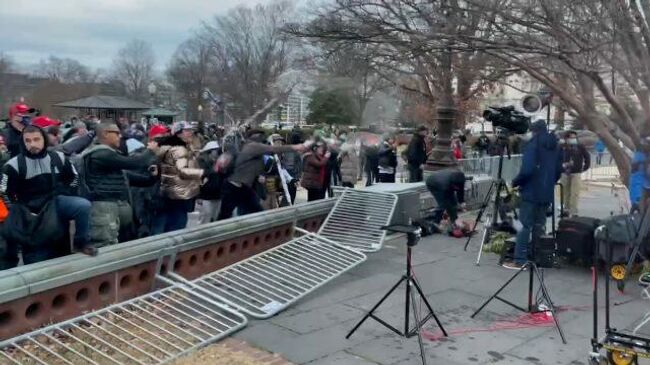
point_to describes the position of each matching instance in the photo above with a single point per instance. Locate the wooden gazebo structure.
(163, 115)
(106, 107)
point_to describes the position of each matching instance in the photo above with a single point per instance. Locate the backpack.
(80, 163)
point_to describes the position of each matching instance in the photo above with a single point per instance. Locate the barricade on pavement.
(268, 283)
(151, 329)
(357, 218)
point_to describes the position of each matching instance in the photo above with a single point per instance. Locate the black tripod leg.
(549, 301)
(498, 292)
(431, 312)
(486, 203)
(370, 313)
(418, 327)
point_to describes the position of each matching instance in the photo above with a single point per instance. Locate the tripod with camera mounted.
(492, 204)
(413, 235)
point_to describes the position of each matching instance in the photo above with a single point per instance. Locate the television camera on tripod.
(506, 122)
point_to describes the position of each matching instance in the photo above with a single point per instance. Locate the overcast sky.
(92, 31)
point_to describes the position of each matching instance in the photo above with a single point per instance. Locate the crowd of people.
(80, 185)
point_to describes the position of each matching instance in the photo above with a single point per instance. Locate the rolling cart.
(622, 346)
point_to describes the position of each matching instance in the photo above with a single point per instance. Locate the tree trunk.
(598, 125)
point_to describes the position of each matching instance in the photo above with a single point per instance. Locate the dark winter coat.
(104, 175)
(313, 176)
(387, 156)
(576, 158)
(13, 140)
(416, 152)
(540, 169)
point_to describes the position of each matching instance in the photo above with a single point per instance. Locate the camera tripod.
(534, 272)
(413, 236)
(492, 217)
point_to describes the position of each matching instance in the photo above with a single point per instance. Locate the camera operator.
(575, 161)
(540, 170)
(448, 188)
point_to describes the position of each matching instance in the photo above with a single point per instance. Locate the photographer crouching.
(540, 170)
(448, 188)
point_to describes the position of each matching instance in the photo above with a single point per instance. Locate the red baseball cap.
(19, 108)
(45, 122)
(158, 130)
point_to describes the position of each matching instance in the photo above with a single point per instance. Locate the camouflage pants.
(106, 221)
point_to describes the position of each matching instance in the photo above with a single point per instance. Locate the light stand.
(534, 271)
(413, 236)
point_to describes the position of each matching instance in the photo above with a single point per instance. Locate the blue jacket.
(639, 179)
(540, 169)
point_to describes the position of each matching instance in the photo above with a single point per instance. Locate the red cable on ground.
(526, 320)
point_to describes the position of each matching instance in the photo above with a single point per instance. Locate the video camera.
(508, 118)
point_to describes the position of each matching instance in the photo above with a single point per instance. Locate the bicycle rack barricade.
(357, 218)
(151, 329)
(269, 282)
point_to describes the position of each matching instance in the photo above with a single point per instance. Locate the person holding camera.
(540, 170)
(576, 160)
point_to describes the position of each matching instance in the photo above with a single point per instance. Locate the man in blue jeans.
(32, 179)
(540, 170)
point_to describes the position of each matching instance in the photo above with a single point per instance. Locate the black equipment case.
(575, 238)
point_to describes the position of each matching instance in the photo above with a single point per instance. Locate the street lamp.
(199, 108)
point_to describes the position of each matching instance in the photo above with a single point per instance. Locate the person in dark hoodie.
(387, 161)
(540, 170)
(32, 179)
(238, 190)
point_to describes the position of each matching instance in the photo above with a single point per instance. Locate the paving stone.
(342, 358)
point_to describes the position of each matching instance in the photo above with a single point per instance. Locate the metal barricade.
(357, 218)
(151, 329)
(269, 282)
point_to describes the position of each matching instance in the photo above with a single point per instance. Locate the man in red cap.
(158, 130)
(18, 120)
(50, 126)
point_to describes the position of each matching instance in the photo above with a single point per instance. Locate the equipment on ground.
(412, 285)
(492, 204)
(575, 238)
(540, 305)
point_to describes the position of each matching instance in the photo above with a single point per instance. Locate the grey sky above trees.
(92, 31)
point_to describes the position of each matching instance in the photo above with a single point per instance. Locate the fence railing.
(603, 167)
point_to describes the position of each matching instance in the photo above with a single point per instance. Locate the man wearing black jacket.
(416, 154)
(32, 179)
(575, 161)
(238, 191)
(448, 188)
(18, 120)
(106, 169)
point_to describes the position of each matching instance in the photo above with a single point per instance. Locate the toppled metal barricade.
(357, 218)
(151, 329)
(268, 283)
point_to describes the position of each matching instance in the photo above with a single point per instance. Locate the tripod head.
(413, 233)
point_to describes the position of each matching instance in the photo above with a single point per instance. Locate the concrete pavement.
(313, 331)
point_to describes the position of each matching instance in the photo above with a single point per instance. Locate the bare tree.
(133, 66)
(65, 70)
(350, 66)
(190, 71)
(398, 33)
(250, 53)
(573, 48)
